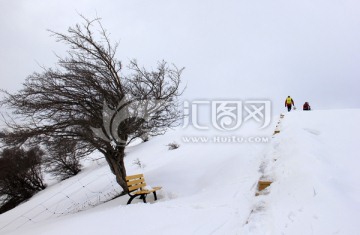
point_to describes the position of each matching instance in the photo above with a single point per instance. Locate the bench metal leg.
(143, 197)
(130, 200)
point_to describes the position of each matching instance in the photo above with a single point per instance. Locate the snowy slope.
(316, 176)
(209, 188)
(206, 188)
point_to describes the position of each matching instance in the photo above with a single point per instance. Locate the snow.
(315, 188)
(209, 188)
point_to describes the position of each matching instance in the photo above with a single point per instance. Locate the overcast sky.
(309, 49)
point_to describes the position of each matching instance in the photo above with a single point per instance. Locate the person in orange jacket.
(289, 102)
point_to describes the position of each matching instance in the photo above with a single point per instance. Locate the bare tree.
(88, 98)
(62, 160)
(20, 175)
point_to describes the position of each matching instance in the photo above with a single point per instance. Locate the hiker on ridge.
(289, 102)
(306, 106)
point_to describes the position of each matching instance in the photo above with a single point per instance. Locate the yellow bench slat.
(131, 177)
(147, 191)
(134, 182)
(132, 188)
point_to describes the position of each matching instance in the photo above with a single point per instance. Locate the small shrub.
(173, 146)
(138, 163)
(62, 160)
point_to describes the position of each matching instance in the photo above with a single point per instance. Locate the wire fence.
(86, 192)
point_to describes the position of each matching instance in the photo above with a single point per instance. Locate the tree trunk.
(115, 159)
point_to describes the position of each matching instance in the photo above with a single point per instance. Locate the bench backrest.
(135, 182)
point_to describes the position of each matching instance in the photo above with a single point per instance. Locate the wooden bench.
(136, 185)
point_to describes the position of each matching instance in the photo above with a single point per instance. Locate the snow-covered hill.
(209, 188)
(314, 163)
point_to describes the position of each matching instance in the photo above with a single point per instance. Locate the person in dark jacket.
(306, 106)
(289, 102)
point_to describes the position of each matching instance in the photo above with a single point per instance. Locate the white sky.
(309, 49)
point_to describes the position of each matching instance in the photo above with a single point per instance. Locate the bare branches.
(20, 175)
(63, 157)
(66, 102)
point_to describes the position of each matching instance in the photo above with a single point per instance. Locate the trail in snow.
(315, 188)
